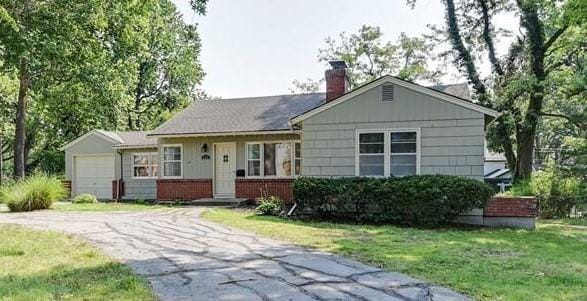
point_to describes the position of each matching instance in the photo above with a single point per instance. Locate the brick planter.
(254, 188)
(511, 207)
(513, 212)
(184, 189)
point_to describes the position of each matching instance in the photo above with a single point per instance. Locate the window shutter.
(387, 94)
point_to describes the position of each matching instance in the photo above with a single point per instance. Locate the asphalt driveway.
(186, 258)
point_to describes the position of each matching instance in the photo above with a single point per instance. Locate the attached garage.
(93, 174)
(96, 161)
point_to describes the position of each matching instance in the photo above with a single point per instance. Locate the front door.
(224, 169)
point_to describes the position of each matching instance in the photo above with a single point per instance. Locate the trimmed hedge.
(414, 200)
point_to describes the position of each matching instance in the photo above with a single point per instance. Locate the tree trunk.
(524, 162)
(1, 160)
(20, 124)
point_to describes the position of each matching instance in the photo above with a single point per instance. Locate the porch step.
(233, 202)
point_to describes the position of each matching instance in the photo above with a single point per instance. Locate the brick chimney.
(336, 80)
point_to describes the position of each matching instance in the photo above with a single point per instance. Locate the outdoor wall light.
(205, 148)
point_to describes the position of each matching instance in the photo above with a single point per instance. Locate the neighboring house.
(247, 147)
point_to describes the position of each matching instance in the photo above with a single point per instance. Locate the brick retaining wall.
(511, 207)
(254, 188)
(184, 189)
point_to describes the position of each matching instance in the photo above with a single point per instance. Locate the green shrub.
(557, 194)
(269, 206)
(85, 198)
(523, 188)
(33, 193)
(414, 200)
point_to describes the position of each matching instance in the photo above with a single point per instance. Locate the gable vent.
(387, 94)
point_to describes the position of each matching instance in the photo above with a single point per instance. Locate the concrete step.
(232, 202)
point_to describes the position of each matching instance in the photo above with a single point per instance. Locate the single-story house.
(246, 147)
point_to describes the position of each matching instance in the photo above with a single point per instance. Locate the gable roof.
(135, 139)
(434, 91)
(239, 115)
(460, 90)
(108, 136)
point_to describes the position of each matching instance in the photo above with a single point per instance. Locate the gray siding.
(194, 167)
(91, 145)
(135, 189)
(452, 137)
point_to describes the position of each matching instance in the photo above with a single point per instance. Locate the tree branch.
(576, 123)
(555, 37)
(464, 58)
(488, 38)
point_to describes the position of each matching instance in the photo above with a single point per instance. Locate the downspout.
(118, 183)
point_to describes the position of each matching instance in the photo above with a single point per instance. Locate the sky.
(258, 47)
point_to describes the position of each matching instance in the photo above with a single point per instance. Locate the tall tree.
(369, 57)
(167, 70)
(76, 66)
(37, 39)
(516, 86)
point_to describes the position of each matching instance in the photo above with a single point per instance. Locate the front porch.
(244, 188)
(228, 167)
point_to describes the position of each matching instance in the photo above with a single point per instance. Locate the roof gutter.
(181, 135)
(134, 146)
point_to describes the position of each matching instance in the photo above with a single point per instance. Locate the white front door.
(224, 169)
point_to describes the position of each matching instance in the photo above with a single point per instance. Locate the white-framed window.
(387, 152)
(276, 159)
(172, 161)
(145, 165)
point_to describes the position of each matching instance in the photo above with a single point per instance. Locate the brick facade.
(254, 188)
(115, 190)
(511, 207)
(184, 189)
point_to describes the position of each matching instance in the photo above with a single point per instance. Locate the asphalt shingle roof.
(459, 90)
(267, 113)
(135, 139)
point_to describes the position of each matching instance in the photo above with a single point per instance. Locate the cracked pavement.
(186, 258)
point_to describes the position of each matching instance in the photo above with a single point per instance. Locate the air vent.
(387, 93)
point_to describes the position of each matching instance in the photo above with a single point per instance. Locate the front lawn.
(42, 265)
(104, 207)
(488, 264)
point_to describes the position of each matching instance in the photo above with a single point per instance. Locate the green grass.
(489, 264)
(104, 207)
(41, 265)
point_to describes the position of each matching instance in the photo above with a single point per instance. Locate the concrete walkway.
(186, 258)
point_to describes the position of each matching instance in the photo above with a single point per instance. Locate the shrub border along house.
(427, 200)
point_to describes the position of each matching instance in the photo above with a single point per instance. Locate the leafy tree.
(368, 57)
(42, 40)
(308, 86)
(76, 67)
(167, 69)
(518, 85)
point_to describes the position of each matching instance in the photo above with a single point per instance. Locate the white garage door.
(94, 174)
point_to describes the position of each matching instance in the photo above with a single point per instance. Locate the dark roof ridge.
(267, 96)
